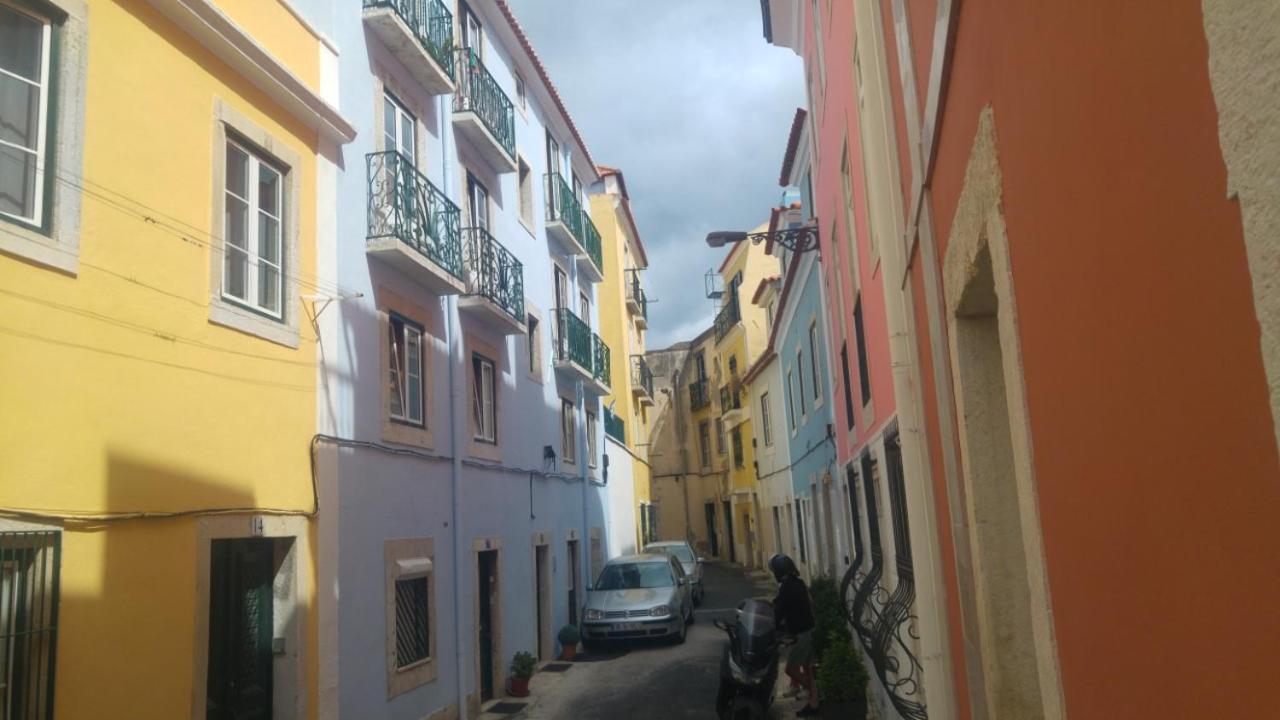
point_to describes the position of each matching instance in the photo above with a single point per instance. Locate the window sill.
(228, 314)
(405, 433)
(29, 244)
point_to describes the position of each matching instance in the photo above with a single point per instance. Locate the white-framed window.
(525, 177)
(399, 128)
(591, 439)
(404, 345)
(813, 363)
(253, 228)
(791, 400)
(522, 93)
(25, 49)
(484, 399)
(766, 424)
(533, 342)
(568, 431)
(800, 385)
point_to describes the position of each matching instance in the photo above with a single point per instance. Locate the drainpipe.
(453, 339)
(684, 469)
(584, 473)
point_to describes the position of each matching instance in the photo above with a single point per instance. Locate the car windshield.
(635, 576)
(681, 552)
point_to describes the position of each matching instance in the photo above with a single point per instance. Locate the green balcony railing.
(699, 394)
(479, 93)
(573, 339)
(730, 399)
(591, 241)
(728, 316)
(601, 368)
(430, 22)
(405, 205)
(563, 205)
(635, 293)
(641, 375)
(615, 426)
(491, 271)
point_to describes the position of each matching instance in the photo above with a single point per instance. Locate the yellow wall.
(120, 395)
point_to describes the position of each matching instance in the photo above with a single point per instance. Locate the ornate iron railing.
(478, 92)
(591, 241)
(884, 621)
(563, 205)
(730, 398)
(601, 367)
(641, 375)
(699, 394)
(727, 317)
(635, 293)
(491, 271)
(615, 426)
(430, 22)
(405, 205)
(573, 338)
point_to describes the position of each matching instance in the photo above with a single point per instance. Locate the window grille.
(413, 632)
(30, 562)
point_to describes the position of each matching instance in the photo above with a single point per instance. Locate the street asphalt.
(654, 680)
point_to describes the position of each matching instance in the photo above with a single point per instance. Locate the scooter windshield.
(756, 620)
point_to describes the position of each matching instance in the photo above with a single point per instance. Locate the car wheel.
(684, 633)
(697, 598)
(689, 621)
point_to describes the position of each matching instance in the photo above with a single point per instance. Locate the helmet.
(782, 567)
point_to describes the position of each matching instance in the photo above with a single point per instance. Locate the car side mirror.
(701, 560)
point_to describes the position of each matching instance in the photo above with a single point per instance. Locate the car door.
(682, 584)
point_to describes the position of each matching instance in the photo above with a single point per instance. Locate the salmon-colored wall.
(1152, 443)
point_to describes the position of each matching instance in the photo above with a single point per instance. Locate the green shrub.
(522, 665)
(569, 635)
(828, 614)
(842, 677)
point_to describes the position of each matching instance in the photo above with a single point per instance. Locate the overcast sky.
(687, 98)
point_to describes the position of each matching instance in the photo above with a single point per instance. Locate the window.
(584, 305)
(483, 416)
(720, 445)
(410, 613)
(798, 514)
(526, 193)
(472, 31)
(252, 231)
(533, 341)
(704, 443)
(30, 562)
(700, 366)
(405, 360)
(738, 459)
(478, 203)
(859, 337)
(800, 378)
(791, 401)
(733, 366)
(818, 37)
(768, 317)
(766, 424)
(568, 431)
(848, 388)
(591, 439)
(24, 114)
(553, 155)
(813, 363)
(522, 98)
(398, 128)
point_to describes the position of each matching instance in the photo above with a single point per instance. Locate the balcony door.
(399, 135)
(472, 31)
(399, 128)
(553, 155)
(478, 203)
(562, 288)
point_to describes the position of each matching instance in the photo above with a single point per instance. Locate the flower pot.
(518, 687)
(568, 651)
(845, 710)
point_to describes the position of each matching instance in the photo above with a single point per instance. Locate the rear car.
(689, 561)
(638, 597)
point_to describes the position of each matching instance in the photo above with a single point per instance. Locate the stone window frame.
(404, 557)
(483, 449)
(537, 374)
(395, 431)
(56, 243)
(231, 124)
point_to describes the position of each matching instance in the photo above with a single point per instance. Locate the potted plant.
(521, 670)
(568, 637)
(842, 681)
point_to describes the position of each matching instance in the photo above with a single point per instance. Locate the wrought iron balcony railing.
(478, 92)
(615, 426)
(728, 316)
(431, 23)
(730, 399)
(491, 271)
(635, 293)
(699, 394)
(601, 368)
(591, 241)
(573, 339)
(563, 205)
(641, 375)
(405, 205)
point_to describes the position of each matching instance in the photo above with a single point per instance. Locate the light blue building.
(460, 463)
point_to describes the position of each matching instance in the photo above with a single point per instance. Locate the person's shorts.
(802, 651)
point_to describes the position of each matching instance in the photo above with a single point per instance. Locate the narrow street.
(652, 680)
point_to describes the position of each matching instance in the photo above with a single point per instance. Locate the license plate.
(623, 627)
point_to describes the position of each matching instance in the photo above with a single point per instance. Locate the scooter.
(749, 665)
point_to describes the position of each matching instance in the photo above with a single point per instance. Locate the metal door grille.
(412, 630)
(29, 570)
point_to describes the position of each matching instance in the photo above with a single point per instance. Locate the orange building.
(1076, 224)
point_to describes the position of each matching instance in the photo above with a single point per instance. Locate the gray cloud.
(687, 98)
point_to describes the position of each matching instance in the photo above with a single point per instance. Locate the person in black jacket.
(795, 616)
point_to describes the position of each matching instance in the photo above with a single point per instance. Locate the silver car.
(638, 596)
(689, 560)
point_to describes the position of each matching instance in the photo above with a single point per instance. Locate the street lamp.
(795, 239)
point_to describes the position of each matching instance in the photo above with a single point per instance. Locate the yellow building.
(157, 271)
(623, 323)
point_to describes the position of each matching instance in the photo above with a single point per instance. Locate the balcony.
(494, 283)
(728, 318)
(412, 225)
(637, 301)
(615, 426)
(483, 113)
(731, 409)
(641, 380)
(569, 226)
(699, 395)
(590, 263)
(419, 33)
(580, 353)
